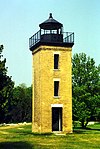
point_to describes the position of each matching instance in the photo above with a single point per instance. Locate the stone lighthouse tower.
(52, 83)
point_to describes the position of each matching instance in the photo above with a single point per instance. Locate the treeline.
(21, 104)
(16, 102)
(18, 106)
(85, 89)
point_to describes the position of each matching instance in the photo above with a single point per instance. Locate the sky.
(20, 19)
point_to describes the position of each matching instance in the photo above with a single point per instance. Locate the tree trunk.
(82, 124)
(86, 123)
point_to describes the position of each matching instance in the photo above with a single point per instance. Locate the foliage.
(21, 104)
(86, 89)
(6, 87)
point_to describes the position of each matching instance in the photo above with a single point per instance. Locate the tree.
(85, 89)
(6, 87)
(21, 104)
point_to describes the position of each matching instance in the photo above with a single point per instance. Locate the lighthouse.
(51, 49)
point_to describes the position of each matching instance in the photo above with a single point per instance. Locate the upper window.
(56, 88)
(56, 61)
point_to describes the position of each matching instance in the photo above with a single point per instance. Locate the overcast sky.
(20, 19)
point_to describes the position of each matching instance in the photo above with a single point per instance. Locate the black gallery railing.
(68, 37)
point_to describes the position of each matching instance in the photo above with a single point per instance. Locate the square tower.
(52, 80)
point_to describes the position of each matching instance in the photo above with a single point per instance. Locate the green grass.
(21, 137)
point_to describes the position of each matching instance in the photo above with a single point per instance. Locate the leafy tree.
(6, 87)
(86, 89)
(21, 104)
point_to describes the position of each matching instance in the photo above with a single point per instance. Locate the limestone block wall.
(43, 88)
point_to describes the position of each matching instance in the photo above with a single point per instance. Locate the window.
(56, 61)
(56, 88)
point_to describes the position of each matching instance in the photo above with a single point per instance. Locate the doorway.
(56, 118)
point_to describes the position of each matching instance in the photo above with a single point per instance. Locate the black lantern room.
(51, 33)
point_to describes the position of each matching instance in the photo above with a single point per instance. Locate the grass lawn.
(21, 137)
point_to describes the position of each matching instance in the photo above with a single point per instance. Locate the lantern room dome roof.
(50, 24)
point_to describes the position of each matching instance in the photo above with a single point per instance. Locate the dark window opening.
(56, 61)
(56, 88)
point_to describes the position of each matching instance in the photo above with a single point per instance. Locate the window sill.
(56, 69)
(56, 97)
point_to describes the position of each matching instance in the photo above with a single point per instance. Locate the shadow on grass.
(34, 133)
(92, 129)
(85, 130)
(42, 134)
(15, 145)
